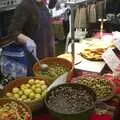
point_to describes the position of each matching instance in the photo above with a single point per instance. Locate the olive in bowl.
(70, 102)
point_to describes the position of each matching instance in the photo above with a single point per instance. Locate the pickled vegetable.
(53, 72)
(102, 87)
(13, 111)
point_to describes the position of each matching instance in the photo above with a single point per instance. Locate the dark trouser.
(31, 62)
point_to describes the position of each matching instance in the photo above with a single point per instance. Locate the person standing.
(31, 31)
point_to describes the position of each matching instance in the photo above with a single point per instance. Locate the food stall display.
(32, 90)
(68, 101)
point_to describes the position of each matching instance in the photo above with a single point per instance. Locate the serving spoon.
(43, 67)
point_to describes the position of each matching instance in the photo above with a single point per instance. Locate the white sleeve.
(58, 13)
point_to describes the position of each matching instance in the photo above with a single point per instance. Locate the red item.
(101, 117)
(118, 90)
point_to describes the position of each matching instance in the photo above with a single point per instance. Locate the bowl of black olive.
(70, 102)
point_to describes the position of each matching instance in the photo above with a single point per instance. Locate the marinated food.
(31, 91)
(53, 72)
(103, 88)
(13, 111)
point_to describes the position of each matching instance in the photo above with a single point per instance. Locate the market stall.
(83, 83)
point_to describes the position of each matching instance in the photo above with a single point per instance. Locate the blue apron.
(13, 61)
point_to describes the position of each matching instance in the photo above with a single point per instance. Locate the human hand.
(31, 46)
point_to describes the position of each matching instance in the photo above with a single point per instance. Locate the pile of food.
(96, 47)
(31, 91)
(13, 111)
(53, 72)
(93, 53)
(70, 100)
(103, 88)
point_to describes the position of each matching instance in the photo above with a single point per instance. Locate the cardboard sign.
(112, 60)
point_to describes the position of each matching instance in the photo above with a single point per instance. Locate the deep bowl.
(82, 115)
(51, 61)
(34, 105)
(4, 101)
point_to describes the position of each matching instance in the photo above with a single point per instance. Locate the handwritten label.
(111, 60)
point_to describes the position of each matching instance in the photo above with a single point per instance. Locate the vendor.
(31, 31)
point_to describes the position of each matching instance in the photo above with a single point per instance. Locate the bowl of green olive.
(104, 89)
(56, 67)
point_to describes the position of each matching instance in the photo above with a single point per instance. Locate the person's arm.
(30, 44)
(22, 38)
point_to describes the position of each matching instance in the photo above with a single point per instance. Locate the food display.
(56, 68)
(11, 110)
(94, 48)
(32, 90)
(104, 89)
(92, 53)
(53, 72)
(67, 99)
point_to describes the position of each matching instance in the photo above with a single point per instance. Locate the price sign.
(112, 60)
(117, 44)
